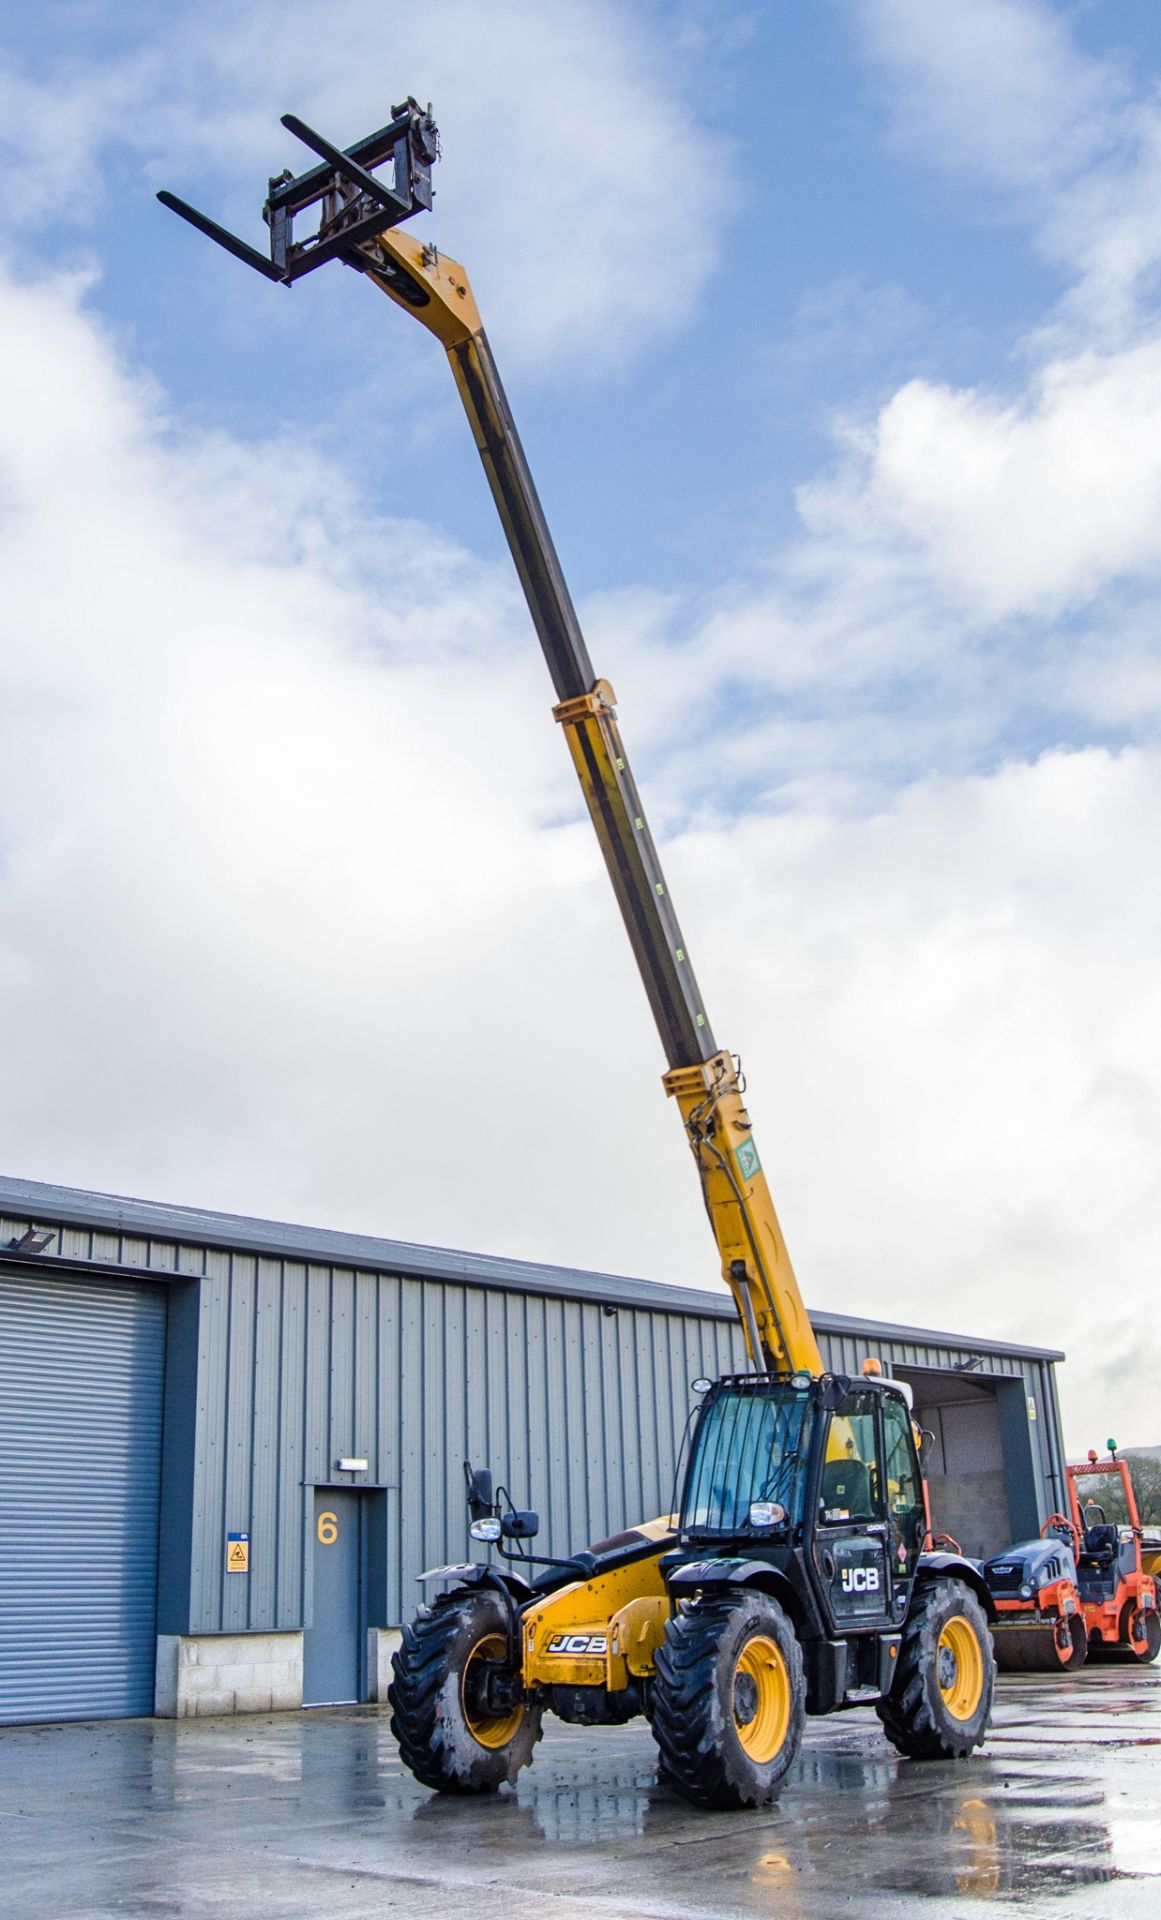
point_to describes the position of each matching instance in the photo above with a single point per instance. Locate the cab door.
(851, 1529)
(906, 1513)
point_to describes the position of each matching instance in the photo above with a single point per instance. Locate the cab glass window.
(850, 1487)
(904, 1491)
(750, 1445)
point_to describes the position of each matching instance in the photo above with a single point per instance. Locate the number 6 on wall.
(328, 1528)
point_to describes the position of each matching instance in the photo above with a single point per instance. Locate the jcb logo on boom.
(579, 1643)
(860, 1579)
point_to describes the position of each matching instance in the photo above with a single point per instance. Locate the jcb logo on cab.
(860, 1579)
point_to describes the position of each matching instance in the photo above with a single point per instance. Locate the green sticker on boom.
(746, 1155)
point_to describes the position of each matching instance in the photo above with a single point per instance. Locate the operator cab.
(1108, 1554)
(822, 1472)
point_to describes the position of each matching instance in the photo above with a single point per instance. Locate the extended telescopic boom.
(359, 225)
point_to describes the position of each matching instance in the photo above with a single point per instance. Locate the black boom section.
(630, 854)
(523, 518)
(644, 899)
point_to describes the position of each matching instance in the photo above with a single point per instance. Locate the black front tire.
(728, 1701)
(445, 1745)
(940, 1703)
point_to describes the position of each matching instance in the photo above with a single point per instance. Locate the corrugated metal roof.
(42, 1202)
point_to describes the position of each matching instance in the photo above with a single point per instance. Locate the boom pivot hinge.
(354, 203)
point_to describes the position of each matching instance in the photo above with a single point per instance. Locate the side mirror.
(520, 1525)
(479, 1485)
(833, 1390)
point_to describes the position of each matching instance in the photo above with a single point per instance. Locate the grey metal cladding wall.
(411, 1372)
(81, 1374)
(579, 1411)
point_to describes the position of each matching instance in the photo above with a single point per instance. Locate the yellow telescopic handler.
(794, 1579)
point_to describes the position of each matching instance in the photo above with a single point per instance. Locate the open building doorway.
(977, 1457)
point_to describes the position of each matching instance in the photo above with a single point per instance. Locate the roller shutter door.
(81, 1374)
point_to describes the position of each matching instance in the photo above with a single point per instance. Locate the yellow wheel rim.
(960, 1666)
(761, 1699)
(490, 1729)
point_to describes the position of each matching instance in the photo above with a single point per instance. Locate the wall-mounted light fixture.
(32, 1240)
(352, 1466)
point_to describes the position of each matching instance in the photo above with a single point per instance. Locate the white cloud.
(979, 554)
(1025, 506)
(578, 182)
(951, 1018)
(995, 85)
(291, 923)
(998, 93)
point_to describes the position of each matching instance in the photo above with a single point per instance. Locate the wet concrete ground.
(312, 1816)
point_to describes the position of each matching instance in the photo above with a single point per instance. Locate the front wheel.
(1071, 1643)
(940, 1701)
(728, 1701)
(459, 1721)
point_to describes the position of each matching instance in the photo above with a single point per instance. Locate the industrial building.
(229, 1446)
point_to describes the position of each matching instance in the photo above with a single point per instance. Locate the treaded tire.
(916, 1718)
(692, 1707)
(426, 1697)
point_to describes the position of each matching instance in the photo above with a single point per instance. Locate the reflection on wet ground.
(312, 1815)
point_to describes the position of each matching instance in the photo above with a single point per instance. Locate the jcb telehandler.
(794, 1578)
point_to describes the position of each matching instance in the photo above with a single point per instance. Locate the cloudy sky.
(835, 340)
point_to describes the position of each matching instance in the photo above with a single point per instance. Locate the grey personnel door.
(333, 1644)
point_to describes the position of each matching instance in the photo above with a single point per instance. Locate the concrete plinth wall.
(202, 1673)
(381, 1644)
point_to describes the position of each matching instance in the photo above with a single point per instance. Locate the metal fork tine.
(342, 163)
(224, 238)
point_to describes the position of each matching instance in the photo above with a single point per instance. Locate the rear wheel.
(940, 1701)
(460, 1724)
(1140, 1638)
(1143, 1633)
(728, 1701)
